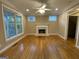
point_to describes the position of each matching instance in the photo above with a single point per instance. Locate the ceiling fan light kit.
(27, 10)
(56, 9)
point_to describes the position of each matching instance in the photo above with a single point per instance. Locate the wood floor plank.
(50, 47)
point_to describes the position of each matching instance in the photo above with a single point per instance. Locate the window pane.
(19, 28)
(19, 24)
(9, 24)
(31, 18)
(52, 18)
(18, 19)
(11, 30)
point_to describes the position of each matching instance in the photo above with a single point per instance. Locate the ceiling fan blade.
(40, 11)
(44, 6)
(48, 9)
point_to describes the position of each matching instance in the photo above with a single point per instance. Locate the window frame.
(14, 11)
(17, 24)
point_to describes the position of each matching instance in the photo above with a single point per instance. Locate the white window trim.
(17, 35)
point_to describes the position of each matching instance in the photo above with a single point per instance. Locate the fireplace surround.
(42, 30)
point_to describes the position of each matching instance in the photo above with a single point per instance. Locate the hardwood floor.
(51, 47)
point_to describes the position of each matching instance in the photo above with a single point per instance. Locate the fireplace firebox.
(42, 31)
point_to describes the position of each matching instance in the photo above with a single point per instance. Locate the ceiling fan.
(42, 9)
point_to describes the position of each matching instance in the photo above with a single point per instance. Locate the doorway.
(72, 26)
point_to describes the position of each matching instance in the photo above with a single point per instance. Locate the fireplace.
(42, 30)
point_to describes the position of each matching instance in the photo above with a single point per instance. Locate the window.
(12, 23)
(31, 18)
(52, 18)
(18, 24)
(9, 24)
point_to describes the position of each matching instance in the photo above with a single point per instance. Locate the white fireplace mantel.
(41, 27)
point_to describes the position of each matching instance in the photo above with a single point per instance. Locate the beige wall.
(1, 27)
(41, 20)
(63, 24)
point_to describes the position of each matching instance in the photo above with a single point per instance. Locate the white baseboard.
(38, 34)
(31, 34)
(52, 33)
(9, 46)
(42, 34)
(61, 36)
(47, 34)
(77, 47)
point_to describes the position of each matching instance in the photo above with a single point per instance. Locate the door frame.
(76, 34)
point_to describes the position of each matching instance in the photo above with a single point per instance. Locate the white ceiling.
(62, 5)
